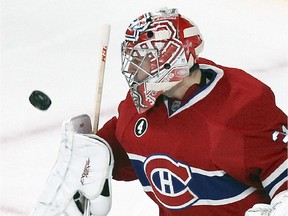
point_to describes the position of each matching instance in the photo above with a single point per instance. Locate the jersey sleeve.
(251, 145)
(123, 169)
(266, 148)
(265, 143)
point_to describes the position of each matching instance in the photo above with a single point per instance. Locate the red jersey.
(217, 152)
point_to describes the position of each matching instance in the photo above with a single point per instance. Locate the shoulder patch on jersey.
(141, 127)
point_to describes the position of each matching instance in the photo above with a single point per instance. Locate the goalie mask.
(158, 50)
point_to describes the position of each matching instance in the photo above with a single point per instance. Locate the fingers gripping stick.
(84, 164)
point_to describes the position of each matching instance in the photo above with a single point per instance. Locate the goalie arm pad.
(277, 207)
(83, 164)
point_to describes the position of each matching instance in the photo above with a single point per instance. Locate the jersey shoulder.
(239, 100)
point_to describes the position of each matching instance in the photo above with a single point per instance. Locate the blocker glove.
(278, 207)
(84, 167)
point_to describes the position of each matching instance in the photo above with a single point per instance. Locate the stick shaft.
(100, 77)
(98, 97)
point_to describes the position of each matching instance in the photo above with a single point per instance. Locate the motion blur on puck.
(40, 100)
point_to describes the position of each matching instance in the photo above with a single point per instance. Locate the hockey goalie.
(203, 139)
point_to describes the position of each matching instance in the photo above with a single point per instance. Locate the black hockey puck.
(40, 100)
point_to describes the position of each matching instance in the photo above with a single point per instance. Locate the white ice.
(53, 46)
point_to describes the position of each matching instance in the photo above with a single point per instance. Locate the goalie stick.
(100, 80)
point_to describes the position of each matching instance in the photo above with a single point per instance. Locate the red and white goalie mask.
(158, 50)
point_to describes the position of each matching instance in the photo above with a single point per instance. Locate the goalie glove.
(98, 207)
(278, 207)
(84, 164)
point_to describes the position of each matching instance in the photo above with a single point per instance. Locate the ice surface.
(53, 46)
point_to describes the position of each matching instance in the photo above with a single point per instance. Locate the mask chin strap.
(191, 61)
(163, 86)
(190, 32)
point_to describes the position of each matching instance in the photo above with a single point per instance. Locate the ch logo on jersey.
(169, 180)
(140, 127)
(176, 185)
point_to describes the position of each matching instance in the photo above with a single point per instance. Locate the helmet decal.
(138, 26)
(158, 50)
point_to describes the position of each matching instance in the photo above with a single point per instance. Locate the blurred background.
(53, 46)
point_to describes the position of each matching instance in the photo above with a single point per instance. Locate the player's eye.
(137, 60)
